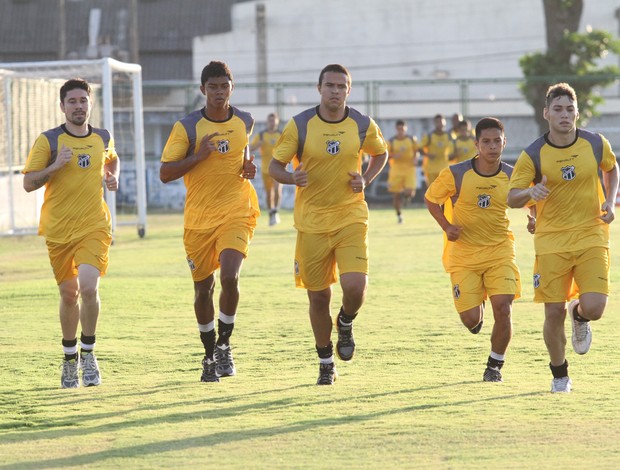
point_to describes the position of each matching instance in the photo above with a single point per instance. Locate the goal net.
(29, 105)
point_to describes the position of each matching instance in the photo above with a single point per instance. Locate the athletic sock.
(576, 315)
(476, 329)
(559, 371)
(69, 347)
(326, 353)
(207, 336)
(494, 363)
(87, 344)
(225, 325)
(344, 319)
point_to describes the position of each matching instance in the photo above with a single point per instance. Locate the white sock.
(206, 328)
(497, 357)
(228, 319)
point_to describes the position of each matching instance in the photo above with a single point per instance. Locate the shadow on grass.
(217, 436)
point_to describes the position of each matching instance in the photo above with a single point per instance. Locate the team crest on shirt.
(457, 291)
(536, 281)
(223, 146)
(191, 264)
(568, 173)
(83, 160)
(484, 201)
(333, 147)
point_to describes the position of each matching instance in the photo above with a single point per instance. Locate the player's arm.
(33, 180)
(610, 181)
(170, 171)
(278, 171)
(452, 231)
(111, 170)
(375, 165)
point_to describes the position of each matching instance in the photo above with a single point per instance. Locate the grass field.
(413, 397)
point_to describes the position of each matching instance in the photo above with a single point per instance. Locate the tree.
(571, 57)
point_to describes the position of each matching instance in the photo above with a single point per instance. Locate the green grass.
(411, 398)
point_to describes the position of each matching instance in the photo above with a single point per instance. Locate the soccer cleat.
(90, 370)
(561, 385)
(492, 375)
(225, 366)
(274, 218)
(208, 371)
(327, 374)
(582, 333)
(345, 347)
(400, 219)
(69, 377)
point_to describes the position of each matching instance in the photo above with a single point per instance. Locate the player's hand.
(249, 168)
(206, 146)
(531, 224)
(609, 212)
(453, 232)
(357, 182)
(539, 191)
(63, 157)
(111, 181)
(300, 177)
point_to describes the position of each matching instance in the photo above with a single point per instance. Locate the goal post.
(29, 105)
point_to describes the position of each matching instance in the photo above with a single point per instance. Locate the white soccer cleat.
(582, 333)
(561, 385)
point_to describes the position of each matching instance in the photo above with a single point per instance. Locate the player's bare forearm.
(278, 171)
(518, 197)
(435, 210)
(170, 171)
(36, 179)
(113, 167)
(610, 181)
(375, 166)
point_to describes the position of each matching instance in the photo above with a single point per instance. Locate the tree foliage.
(571, 57)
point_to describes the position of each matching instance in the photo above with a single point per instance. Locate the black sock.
(559, 371)
(476, 329)
(576, 315)
(208, 341)
(224, 331)
(343, 318)
(89, 342)
(494, 363)
(70, 343)
(326, 351)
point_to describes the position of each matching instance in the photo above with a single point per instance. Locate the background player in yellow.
(403, 152)
(436, 147)
(72, 161)
(464, 143)
(572, 226)
(209, 149)
(479, 249)
(266, 140)
(331, 215)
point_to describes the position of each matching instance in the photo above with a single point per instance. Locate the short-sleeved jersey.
(328, 152)
(73, 205)
(216, 191)
(477, 203)
(464, 149)
(569, 218)
(437, 149)
(402, 153)
(268, 141)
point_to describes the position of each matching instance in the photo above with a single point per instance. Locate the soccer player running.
(479, 248)
(266, 141)
(74, 161)
(331, 215)
(572, 227)
(403, 152)
(437, 147)
(209, 149)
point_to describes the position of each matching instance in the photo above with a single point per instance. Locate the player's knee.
(69, 295)
(229, 281)
(89, 294)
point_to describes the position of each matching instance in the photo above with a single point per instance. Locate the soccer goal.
(29, 105)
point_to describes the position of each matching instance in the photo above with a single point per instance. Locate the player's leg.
(351, 252)
(321, 322)
(69, 312)
(277, 200)
(90, 305)
(468, 294)
(394, 186)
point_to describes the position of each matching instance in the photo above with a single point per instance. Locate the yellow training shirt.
(216, 191)
(402, 153)
(437, 149)
(73, 205)
(268, 141)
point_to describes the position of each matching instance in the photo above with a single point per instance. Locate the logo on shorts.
(484, 201)
(83, 160)
(223, 146)
(296, 268)
(536, 281)
(191, 264)
(457, 291)
(568, 173)
(333, 147)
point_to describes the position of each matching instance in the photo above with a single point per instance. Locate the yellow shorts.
(558, 277)
(398, 181)
(203, 247)
(320, 256)
(267, 181)
(470, 288)
(92, 249)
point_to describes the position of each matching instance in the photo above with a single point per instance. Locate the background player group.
(210, 149)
